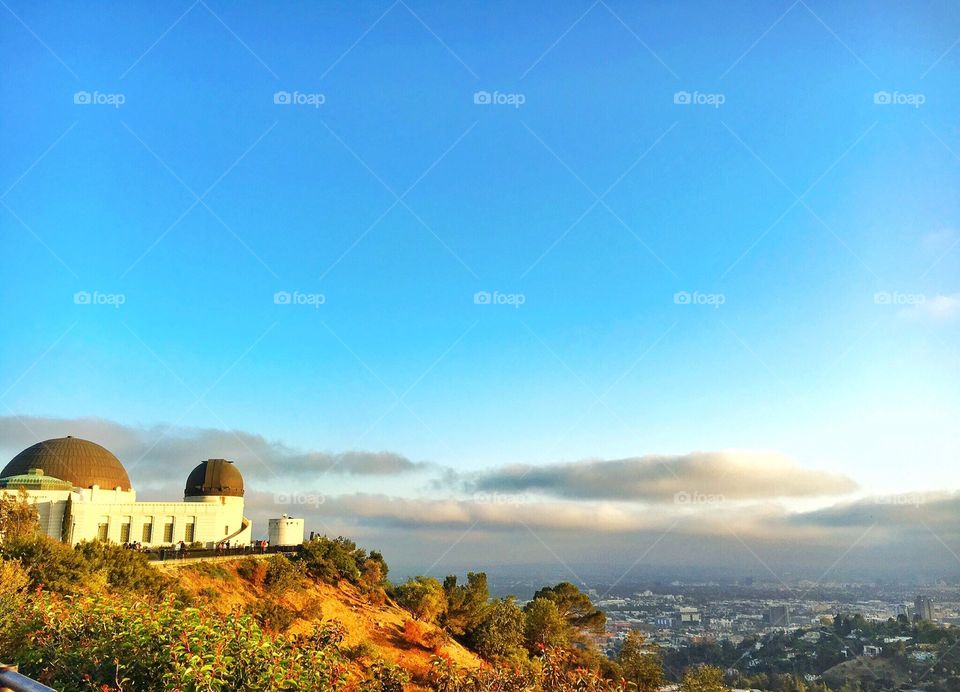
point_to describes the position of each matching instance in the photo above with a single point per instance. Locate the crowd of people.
(180, 549)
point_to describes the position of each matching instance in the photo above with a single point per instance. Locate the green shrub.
(88, 567)
(252, 570)
(111, 642)
(384, 677)
(283, 574)
(360, 650)
(424, 597)
(274, 615)
(49, 563)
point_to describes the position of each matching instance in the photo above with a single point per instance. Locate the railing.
(10, 679)
(172, 554)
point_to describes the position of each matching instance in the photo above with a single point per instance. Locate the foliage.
(125, 570)
(557, 673)
(89, 566)
(332, 559)
(14, 585)
(574, 606)
(252, 570)
(500, 633)
(640, 664)
(383, 677)
(273, 615)
(544, 626)
(424, 597)
(114, 642)
(51, 564)
(703, 679)
(283, 574)
(466, 603)
(18, 516)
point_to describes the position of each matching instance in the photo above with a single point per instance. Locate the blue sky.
(599, 361)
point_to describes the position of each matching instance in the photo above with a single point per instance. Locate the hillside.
(372, 631)
(866, 673)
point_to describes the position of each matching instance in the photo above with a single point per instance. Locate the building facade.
(82, 493)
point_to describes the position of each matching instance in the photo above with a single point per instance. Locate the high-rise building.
(923, 608)
(778, 616)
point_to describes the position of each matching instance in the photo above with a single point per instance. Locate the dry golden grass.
(381, 627)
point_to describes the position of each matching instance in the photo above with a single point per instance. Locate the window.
(226, 530)
(147, 532)
(103, 530)
(188, 531)
(168, 529)
(125, 532)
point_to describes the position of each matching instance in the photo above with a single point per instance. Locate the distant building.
(687, 615)
(82, 493)
(285, 531)
(872, 651)
(923, 608)
(778, 616)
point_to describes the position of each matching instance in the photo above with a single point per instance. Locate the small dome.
(34, 479)
(214, 477)
(81, 463)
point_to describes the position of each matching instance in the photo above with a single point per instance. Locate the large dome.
(217, 477)
(80, 462)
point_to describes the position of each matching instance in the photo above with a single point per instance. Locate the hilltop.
(374, 627)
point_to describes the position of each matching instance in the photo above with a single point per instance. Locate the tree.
(333, 558)
(466, 603)
(424, 597)
(374, 571)
(18, 516)
(641, 664)
(703, 679)
(500, 634)
(545, 626)
(574, 606)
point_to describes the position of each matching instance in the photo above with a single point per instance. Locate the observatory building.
(83, 493)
